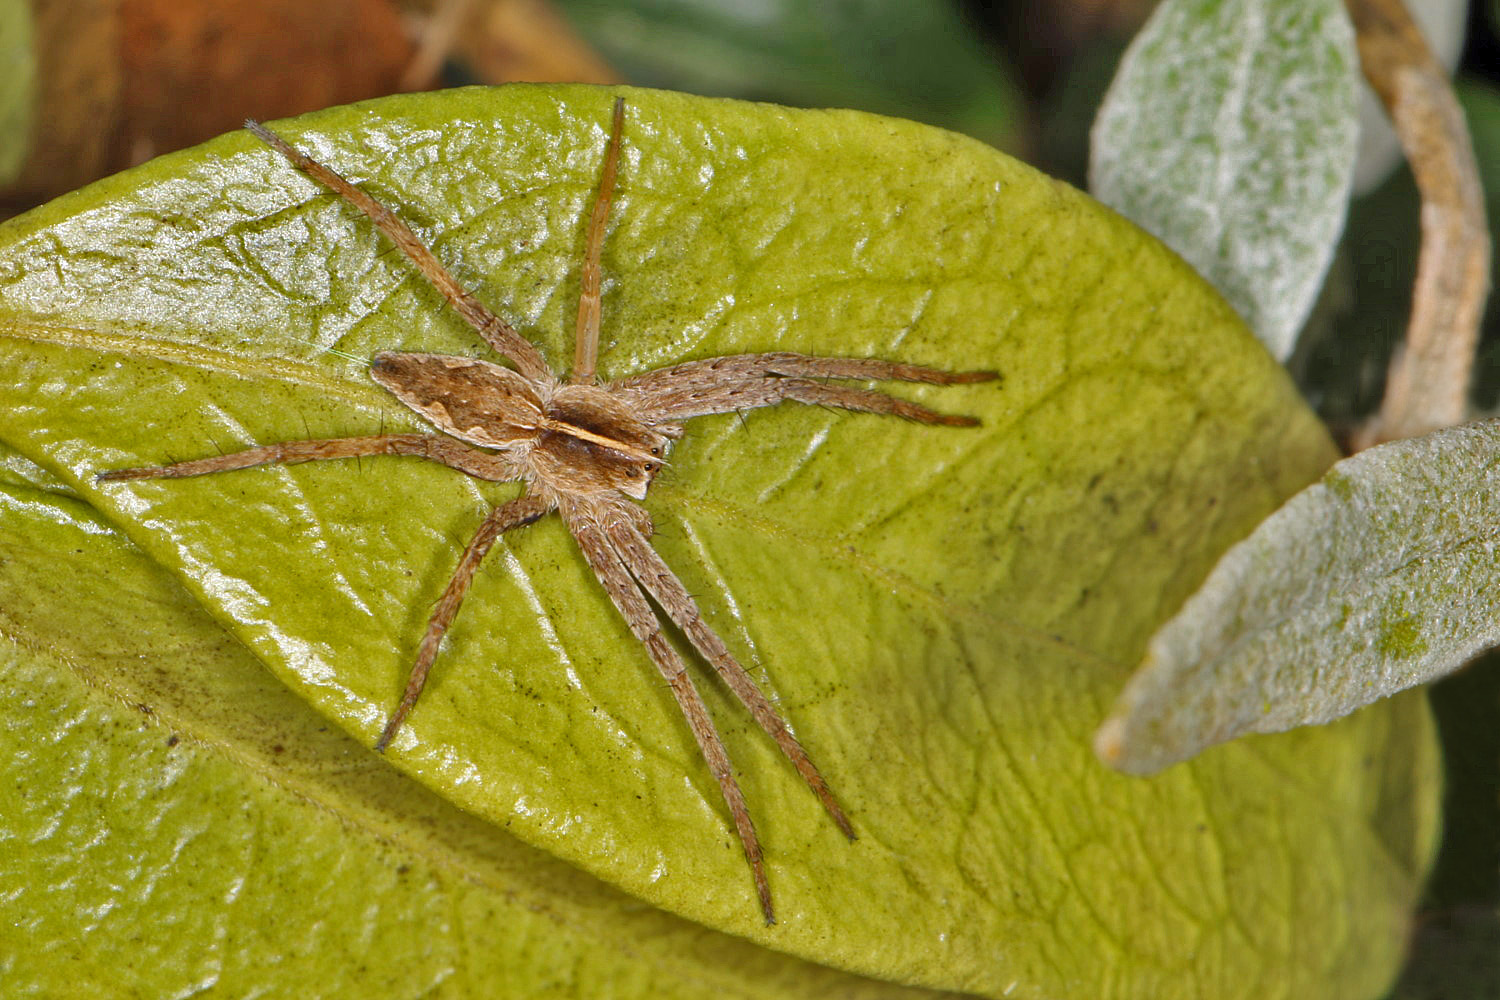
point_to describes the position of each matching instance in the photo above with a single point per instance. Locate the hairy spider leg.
(747, 381)
(499, 334)
(444, 450)
(586, 352)
(454, 454)
(658, 580)
(614, 575)
(517, 513)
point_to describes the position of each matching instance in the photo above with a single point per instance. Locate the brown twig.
(1427, 386)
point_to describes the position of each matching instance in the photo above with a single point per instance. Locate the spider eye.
(649, 467)
(655, 451)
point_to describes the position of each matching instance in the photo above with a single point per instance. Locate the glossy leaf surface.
(191, 823)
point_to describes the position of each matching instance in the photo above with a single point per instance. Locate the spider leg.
(587, 349)
(864, 400)
(615, 577)
(648, 567)
(515, 514)
(746, 381)
(455, 454)
(496, 332)
(737, 366)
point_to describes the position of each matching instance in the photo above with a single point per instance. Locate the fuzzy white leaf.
(1230, 132)
(1379, 577)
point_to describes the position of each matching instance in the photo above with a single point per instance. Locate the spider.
(588, 451)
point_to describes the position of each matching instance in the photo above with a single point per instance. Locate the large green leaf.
(942, 613)
(189, 821)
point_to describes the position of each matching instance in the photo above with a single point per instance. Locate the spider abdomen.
(474, 400)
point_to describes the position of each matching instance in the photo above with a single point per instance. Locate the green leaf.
(1230, 132)
(913, 58)
(1378, 578)
(941, 613)
(17, 86)
(190, 823)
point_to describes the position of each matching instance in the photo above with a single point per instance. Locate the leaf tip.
(1122, 743)
(1109, 741)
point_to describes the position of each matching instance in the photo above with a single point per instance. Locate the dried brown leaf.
(120, 81)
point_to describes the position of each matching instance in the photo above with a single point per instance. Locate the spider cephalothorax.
(588, 451)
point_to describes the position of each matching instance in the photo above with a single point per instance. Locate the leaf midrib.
(106, 341)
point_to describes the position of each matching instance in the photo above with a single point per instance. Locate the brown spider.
(587, 451)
